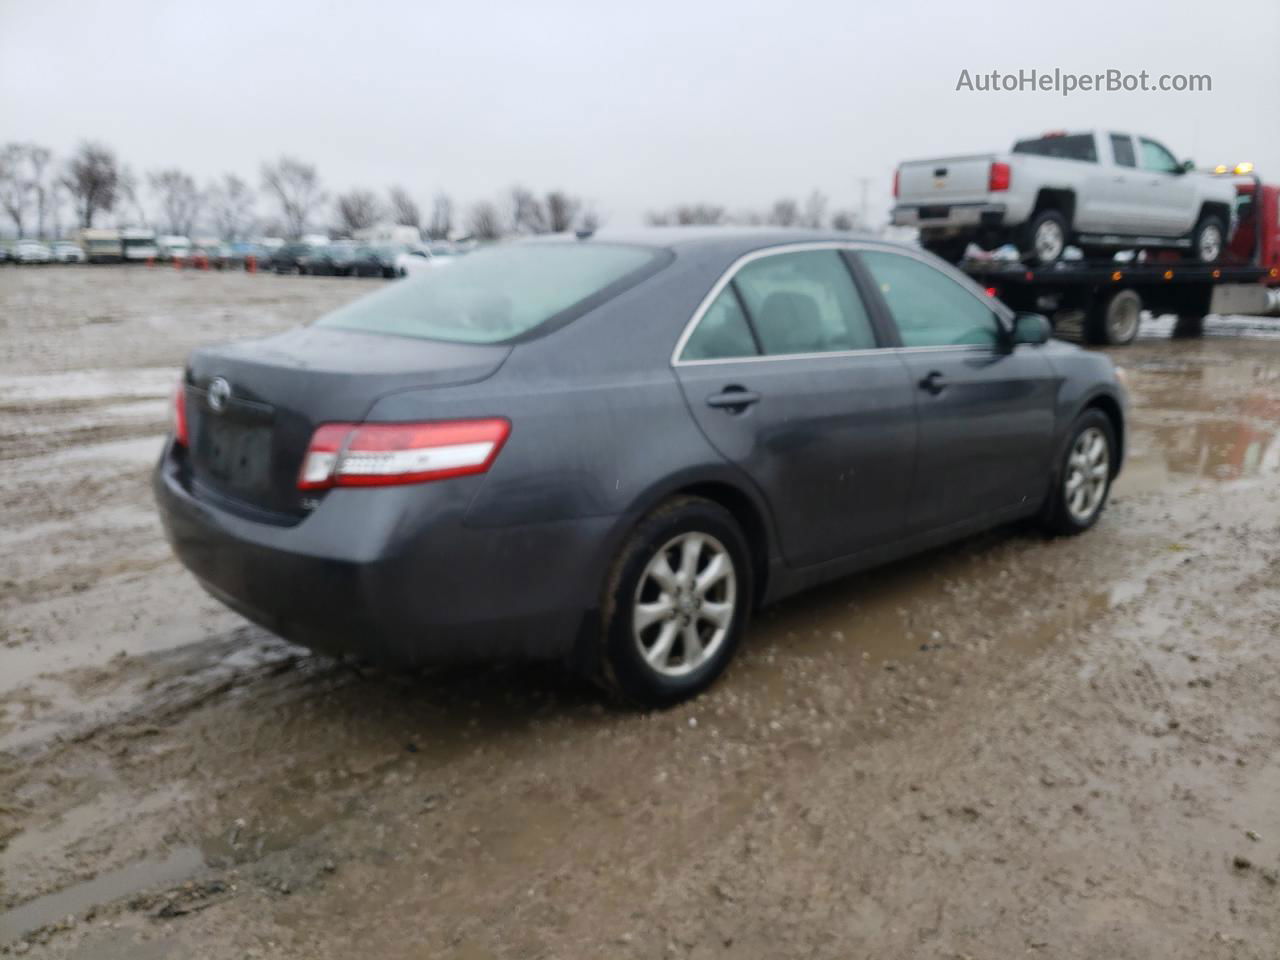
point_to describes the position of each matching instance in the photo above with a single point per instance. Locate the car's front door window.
(929, 308)
(1157, 158)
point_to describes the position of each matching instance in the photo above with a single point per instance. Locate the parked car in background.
(31, 251)
(412, 260)
(66, 252)
(138, 245)
(374, 261)
(613, 450)
(1100, 190)
(101, 246)
(172, 247)
(290, 258)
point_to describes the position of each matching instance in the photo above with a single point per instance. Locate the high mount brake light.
(180, 414)
(384, 454)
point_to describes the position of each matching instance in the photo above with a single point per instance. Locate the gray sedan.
(612, 449)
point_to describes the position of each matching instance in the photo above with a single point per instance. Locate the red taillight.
(999, 177)
(180, 414)
(992, 291)
(896, 174)
(381, 454)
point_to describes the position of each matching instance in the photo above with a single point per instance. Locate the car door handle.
(733, 398)
(934, 382)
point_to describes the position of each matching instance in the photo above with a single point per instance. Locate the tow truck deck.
(1110, 295)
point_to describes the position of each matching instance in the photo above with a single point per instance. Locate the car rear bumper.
(395, 575)
(947, 215)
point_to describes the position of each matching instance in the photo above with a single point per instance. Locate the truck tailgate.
(945, 180)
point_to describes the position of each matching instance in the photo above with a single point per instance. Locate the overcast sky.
(633, 106)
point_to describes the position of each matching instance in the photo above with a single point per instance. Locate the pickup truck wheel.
(1045, 238)
(1208, 239)
(1114, 321)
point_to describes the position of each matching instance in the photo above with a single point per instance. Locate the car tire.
(1208, 239)
(1082, 481)
(1114, 320)
(1045, 238)
(683, 646)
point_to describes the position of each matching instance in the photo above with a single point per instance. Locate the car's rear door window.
(1122, 150)
(929, 308)
(723, 333)
(501, 293)
(804, 302)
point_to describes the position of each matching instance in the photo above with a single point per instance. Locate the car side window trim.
(873, 303)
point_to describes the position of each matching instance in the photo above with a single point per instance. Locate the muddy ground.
(1010, 747)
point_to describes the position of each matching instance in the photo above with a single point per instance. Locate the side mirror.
(1188, 166)
(1031, 328)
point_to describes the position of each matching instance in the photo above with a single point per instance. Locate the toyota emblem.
(219, 394)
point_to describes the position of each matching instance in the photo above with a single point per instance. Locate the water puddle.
(173, 868)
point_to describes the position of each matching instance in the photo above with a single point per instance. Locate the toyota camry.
(611, 449)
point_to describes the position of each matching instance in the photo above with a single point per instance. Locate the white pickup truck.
(1099, 190)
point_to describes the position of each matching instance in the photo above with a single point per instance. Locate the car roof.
(730, 241)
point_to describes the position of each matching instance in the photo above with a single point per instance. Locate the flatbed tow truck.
(1108, 296)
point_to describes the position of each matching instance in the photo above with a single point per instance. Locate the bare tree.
(591, 220)
(42, 184)
(687, 214)
(404, 209)
(843, 220)
(92, 178)
(231, 202)
(699, 214)
(296, 188)
(484, 221)
(815, 211)
(784, 213)
(441, 218)
(357, 210)
(15, 185)
(129, 197)
(562, 210)
(180, 199)
(527, 214)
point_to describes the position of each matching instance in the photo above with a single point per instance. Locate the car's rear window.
(498, 294)
(1079, 146)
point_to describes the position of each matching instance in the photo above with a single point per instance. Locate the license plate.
(237, 454)
(934, 213)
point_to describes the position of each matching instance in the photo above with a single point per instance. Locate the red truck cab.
(1257, 234)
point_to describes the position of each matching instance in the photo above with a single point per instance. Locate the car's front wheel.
(1083, 479)
(676, 604)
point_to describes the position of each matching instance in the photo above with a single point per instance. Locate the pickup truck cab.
(1100, 190)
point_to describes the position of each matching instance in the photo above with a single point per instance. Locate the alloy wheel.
(684, 604)
(1088, 472)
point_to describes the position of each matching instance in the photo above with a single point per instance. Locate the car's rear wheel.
(1083, 480)
(676, 605)
(1045, 238)
(1208, 239)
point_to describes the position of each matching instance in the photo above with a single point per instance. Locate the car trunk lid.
(253, 406)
